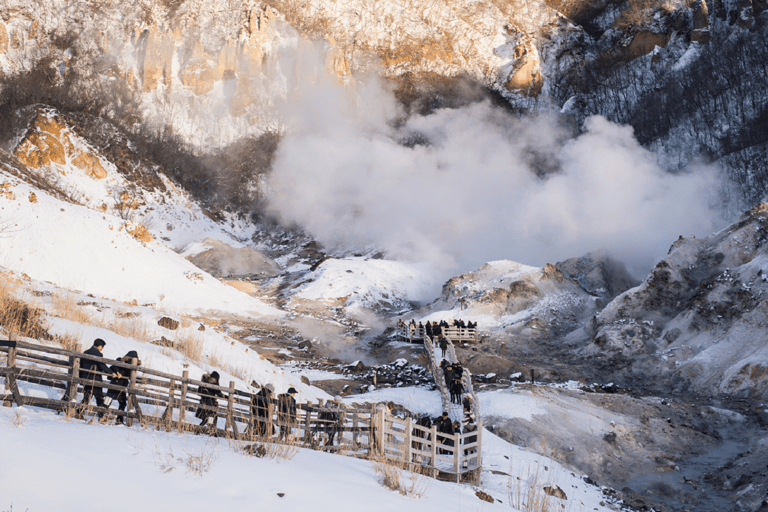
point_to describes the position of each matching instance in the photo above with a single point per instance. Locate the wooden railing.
(171, 401)
(415, 334)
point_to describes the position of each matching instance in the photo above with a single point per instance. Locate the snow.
(52, 463)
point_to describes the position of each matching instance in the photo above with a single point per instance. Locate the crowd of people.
(435, 329)
(446, 430)
(330, 417)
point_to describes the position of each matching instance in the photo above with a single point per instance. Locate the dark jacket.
(88, 366)
(458, 370)
(260, 403)
(208, 396)
(429, 329)
(286, 407)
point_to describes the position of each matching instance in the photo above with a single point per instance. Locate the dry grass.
(130, 325)
(197, 460)
(527, 494)
(65, 306)
(190, 346)
(638, 12)
(19, 317)
(396, 476)
(17, 418)
(69, 341)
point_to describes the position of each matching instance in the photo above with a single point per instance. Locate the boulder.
(168, 323)
(221, 260)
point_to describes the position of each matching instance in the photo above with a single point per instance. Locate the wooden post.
(457, 455)
(270, 415)
(408, 447)
(354, 430)
(230, 403)
(183, 398)
(307, 425)
(168, 413)
(230, 409)
(72, 387)
(10, 379)
(133, 403)
(433, 461)
(479, 443)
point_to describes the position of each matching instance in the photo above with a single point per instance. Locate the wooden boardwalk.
(39, 375)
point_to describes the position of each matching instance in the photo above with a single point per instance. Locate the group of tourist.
(452, 373)
(91, 370)
(446, 430)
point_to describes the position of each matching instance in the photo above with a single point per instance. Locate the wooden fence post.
(72, 387)
(270, 418)
(183, 398)
(168, 413)
(10, 379)
(408, 447)
(433, 461)
(307, 426)
(230, 424)
(133, 402)
(479, 443)
(457, 455)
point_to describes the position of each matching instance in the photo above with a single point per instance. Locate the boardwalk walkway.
(39, 375)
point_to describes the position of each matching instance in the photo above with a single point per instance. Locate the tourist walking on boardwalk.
(121, 395)
(457, 389)
(286, 413)
(448, 374)
(444, 426)
(443, 344)
(208, 397)
(91, 370)
(261, 411)
(429, 328)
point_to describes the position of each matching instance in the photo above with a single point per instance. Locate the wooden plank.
(10, 377)
(183, 399)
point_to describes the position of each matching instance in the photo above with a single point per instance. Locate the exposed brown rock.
(32, 198)
(168, 323)
(3, 38)
(196, 73)
(644, 42)
(555, 491)
(527, 77)
(91, 165)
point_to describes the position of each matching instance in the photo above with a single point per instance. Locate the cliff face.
(688, 76)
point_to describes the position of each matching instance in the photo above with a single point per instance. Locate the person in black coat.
(286, 412)
(88, 371)
(429, 329)
(443, 344)
(208, 397)
(418, 433)
(457, 389)
(121, 379)
(448, 373)
(260, 410)
(444, 426)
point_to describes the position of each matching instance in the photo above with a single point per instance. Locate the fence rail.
(171, 401)
(415, 334)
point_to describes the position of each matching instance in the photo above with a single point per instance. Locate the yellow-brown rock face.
(43, 144)
(527, 77)
(158, 57)
(3, 38)
(197, 74)
(89, 163)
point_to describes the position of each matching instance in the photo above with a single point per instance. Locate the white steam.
(472, 194)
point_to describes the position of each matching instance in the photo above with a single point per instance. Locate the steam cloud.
(475, 192)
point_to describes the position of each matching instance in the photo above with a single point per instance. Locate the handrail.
(166, 400)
